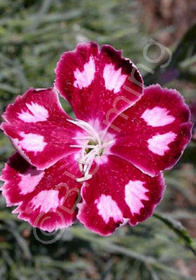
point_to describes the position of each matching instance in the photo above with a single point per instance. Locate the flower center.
(90, 146)
(93, 144)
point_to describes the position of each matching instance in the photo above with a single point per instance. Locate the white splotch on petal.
(135, 192)
(108, 208)
(32, 142)
(84, 78)
(30, 180)
(36, 113)
(158, 144)
(47, 200)
(114, 79)
(157, 117)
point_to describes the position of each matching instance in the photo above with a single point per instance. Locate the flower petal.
(38, 127)
(118, 192)
(153, 133)
(99, 84)
(45, 198)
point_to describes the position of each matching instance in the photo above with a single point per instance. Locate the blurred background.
(160, 38)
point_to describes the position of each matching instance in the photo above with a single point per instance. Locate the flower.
(193, 114)
(104, 168)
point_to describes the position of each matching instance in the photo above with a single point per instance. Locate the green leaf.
(185, 52)
(178, 228)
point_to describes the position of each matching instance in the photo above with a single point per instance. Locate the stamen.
(108, 143)
(80, 146)
(88, 128)
(91, 145)
(84, 178)
(81, 138)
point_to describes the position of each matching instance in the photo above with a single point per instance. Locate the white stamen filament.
(88, 128)
(85, 143)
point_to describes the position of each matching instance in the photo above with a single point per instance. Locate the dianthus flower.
(103, 168)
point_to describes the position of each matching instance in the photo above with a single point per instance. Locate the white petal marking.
(46, 200)
(114, 79)
(157, 117)
(108, 208)
(84, 78)
(32, 142)
(30, 180)
(134, 193)
(158, 144)
(36, 113)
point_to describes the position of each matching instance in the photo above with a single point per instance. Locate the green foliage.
(181, 64)
(33, 34)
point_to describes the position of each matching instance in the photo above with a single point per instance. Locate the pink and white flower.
(104, 168)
